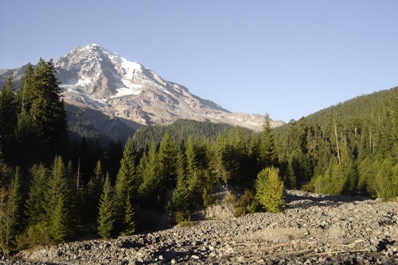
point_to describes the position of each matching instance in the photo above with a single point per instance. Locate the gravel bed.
(313, 229)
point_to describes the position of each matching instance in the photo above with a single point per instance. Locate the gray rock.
(313, 229)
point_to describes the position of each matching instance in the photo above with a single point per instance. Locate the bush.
(269, 190)
(207, 198)
(229, 198)
(36, 235)
(247, 203)
(183, 218)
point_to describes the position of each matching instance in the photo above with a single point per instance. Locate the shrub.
(35, 235)
(247, 203)
(183, 218)
(269, 190)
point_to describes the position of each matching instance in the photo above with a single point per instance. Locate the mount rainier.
(127, 94)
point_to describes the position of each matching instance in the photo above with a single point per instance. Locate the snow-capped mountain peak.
(95, 78)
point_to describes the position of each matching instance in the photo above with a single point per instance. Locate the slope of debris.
(313, 229)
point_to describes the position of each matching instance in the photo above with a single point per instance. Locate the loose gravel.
(312, 229)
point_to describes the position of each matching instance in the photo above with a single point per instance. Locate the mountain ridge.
(97, 79)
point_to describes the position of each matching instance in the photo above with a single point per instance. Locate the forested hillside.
(349, 148)
(180, 130)
(54, 189)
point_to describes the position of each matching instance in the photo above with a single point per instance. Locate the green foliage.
(35, 204)
(33, 122)
(58, 200)
(179, 198)
(93, 193)
(35, 235)
(344, 149)
(8, 119)
(150, 190)
(267, 152)
(106, 217)
(47, 110)
(180, 130)
(168, 161)
(129, 222)
(385, 182)
(183, 218)
(126, 186)
(127, 182)
(59, 222)
(10, 213)
(269, 190)
(207, 197)
(246, 204)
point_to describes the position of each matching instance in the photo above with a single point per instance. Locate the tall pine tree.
(168, 161)
(59, 202)
(126, 186)
(8, 119)
(106, 216)
(150, 190)
(267, 152)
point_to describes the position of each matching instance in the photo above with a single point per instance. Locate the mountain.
(100, 81)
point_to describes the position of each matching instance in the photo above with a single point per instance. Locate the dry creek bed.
(313, 229)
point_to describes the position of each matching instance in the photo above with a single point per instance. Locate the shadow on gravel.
(306, 200)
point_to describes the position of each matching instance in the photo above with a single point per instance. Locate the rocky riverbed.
(313, 229)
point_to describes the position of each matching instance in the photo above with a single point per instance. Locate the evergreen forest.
(55, 189)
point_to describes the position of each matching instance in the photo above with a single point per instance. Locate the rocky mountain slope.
(313, 229)
(96, 79)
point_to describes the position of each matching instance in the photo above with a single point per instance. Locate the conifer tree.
(58, 202)
(127, 181)
(26, 91)
(27, 142)
(168, 161)
(8, 118)
(290, 180)
(191, 159)
(93, 194)
(267, 146)
(36, 203)
(106, 216)
(126, 185)
(179, 199)
(3, 219)
(47, 108)
(10, 213)
(241, 158)
(59, 222)
(217, 162)
(42, 126)
(129, 223)
(181, 165)
(149, 190)
(75, 199)
(351, 185)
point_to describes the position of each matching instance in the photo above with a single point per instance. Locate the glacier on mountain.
(94, 78)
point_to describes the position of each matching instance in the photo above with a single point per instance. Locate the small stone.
(373, 249)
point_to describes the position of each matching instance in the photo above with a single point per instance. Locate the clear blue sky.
(285, 58)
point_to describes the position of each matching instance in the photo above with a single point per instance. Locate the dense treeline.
(180, 130)
(350, 148)
(52, 190)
